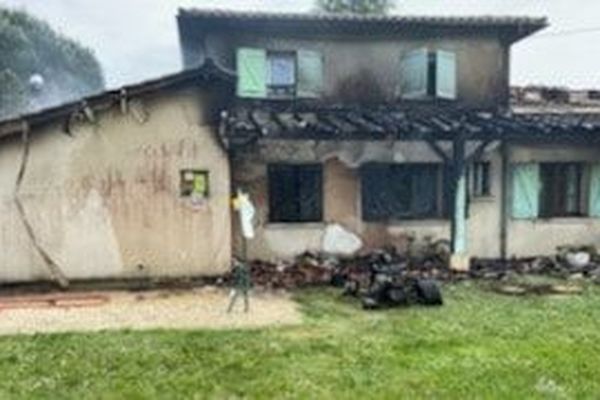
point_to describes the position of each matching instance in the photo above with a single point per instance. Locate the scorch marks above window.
(288, 74)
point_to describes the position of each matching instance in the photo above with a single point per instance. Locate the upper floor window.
(428, 74)
(279, 74)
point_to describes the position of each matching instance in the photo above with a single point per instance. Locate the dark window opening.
(561, 192)
(194, 183)
(594, 94)
(431, 74)
(402, 191)
(480, 179)
(281, 74)
(295, 193)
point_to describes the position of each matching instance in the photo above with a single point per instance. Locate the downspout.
(504, 201)
(459, 259)
(54, 270)
(232, 179)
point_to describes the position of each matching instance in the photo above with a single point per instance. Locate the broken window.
(480, 179)
(194, 183)
(561, 194)
(401, 191)
(295, 192)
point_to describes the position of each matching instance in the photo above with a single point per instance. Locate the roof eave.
(510, 28)
(208, 73)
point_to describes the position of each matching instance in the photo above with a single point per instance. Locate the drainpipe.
(233, 186)
(54, 270)
(459, 260)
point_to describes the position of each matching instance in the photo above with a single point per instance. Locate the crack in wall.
(54, 270)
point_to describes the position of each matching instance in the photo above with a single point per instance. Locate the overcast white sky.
(137, 39)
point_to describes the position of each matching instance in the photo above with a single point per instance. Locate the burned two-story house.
(365, 131)
(348, 133)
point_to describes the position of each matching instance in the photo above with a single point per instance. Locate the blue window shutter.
(413, 74)
(310, 73)
(525, 190)
(594, 206)
(252, 73)
(445, 75)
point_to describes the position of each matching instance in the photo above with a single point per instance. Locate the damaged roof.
(512, 28)
(404, 121)
(208, 73)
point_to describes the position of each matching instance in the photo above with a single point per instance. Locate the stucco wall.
(482, 62)
(105, 203)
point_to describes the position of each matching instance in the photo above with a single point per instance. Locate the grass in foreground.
(480, 345)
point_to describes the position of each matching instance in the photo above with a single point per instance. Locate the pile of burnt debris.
(386, 277)
(314, 269)
(353, 273)
(574, 264)
(382, 278)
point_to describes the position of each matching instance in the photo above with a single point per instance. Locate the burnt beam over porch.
(404, 121)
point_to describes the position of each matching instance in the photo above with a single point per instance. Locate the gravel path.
(190, 309)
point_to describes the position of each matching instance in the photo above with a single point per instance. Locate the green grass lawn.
(480, 345)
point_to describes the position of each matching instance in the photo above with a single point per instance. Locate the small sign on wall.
(195, 186)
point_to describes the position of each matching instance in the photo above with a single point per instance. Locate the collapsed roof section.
(408, 121)
(511, 28)
(208, 74)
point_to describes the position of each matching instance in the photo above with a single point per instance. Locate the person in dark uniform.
(242, 282)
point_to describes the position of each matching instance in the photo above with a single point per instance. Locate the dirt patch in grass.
(116, 310)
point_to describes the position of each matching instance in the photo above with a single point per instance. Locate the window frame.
(288, 91)
(431, 91)
(185, 192)
(276, 217)
(439, 188)
(549, 203)
(477, 179)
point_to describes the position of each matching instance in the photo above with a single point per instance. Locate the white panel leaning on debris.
(337, 240)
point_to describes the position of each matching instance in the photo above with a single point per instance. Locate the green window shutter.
(310, 73)
(252, 73)
(525, 190)
(445, 75)
(594, 206)
(413, 74)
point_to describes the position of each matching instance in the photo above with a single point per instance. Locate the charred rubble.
(356, 273)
